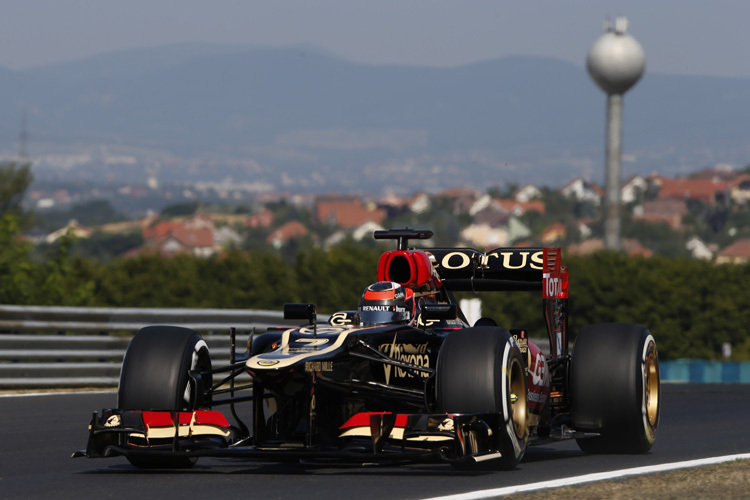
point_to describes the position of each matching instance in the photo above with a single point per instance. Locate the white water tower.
(616, 62)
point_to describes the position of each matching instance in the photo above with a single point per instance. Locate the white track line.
(588, 478)
(37, 394)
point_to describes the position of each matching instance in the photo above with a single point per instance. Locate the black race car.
(402, 378)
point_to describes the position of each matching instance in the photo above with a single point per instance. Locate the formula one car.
(402, 378)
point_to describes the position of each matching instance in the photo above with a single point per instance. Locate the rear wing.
(501, 269)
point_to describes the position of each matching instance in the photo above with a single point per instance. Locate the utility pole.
(23, 140)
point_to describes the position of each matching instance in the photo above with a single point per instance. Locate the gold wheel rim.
(652, 388)
(518, 408)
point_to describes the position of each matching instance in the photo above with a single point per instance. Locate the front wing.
(365, 437)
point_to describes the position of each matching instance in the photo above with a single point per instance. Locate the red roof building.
(667, 210)
(707, 191)
(264, 218)
(171, 238)
(519, 207)
(553, 233)
(347, 211)
(736, 253)
(282, 235)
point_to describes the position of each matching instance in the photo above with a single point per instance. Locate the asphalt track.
(39, 433)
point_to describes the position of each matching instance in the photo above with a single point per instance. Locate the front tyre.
(614, 387)
(155, 375)
(481, 370)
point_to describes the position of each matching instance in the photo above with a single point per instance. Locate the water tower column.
(615, 62)
(613, 153)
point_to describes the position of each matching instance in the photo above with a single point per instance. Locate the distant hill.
(302, 111)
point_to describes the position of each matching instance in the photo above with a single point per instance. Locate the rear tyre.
(155, 376)
(481, 370)
(614, 388)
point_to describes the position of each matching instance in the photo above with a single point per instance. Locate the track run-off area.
(700, 424)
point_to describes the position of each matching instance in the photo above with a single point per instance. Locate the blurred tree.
(15, 179)
(16, 268)
(180, 209)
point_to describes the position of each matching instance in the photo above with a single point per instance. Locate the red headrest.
(410, 268)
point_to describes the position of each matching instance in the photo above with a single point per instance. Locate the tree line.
(692, 307)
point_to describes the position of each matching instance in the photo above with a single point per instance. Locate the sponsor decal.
(534, 397)
(446, 425)
(319, 366)
(523, 342)
(415, 354)
(113, 421)
(540, 373)
(316, 342)
(511, 259)
(321, 330)
(342, 318)
(377, 308)
(268, 362)
(552, 286)
(426, 323)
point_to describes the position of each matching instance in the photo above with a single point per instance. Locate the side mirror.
(300, 311)
(439, 311)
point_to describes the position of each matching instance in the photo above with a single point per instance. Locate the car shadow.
(235, 466)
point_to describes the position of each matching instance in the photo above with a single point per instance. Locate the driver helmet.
(386, 303)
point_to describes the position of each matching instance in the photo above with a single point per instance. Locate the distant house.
(366, 230)
(739, 189)
(481, 203)
(199, 242)
(518, 208)
(584, 227)
(527, 193)
(394, 205)
(517, 230)
(225, 237)
(199, 221)
(698, 249)
(281, 236)
(488, 212)
(171, 238)
(463, 198)
(483, 236)
(264, 218)
(583, 190)
(73, 228)
(667, 210)
(553, 233)
(633, 188)
(420, 203)
(707, 191)
(736, 253)
(346, 211)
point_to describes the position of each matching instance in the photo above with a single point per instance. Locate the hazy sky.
(679, 36)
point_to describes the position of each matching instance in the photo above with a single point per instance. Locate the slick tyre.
(614, 388)
(155, 376)
(481, 370)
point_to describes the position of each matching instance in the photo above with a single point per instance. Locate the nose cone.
(616, 62)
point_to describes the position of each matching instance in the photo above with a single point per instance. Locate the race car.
(404, 377)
